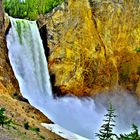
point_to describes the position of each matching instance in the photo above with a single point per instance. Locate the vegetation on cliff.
(3, 119)
(29, 9)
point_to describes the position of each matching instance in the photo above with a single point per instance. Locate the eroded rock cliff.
(94, 45)
(8, 82)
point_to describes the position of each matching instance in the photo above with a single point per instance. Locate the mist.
(126, 105)
(84, 116)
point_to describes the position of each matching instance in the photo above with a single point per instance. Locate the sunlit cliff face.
(94, 46)
(8, 82)
(75, 43)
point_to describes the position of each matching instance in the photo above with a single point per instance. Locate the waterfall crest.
(82, 116)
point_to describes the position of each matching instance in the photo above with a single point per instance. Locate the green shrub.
(26, 125)
(30, 9)
(2, 116)
(36, 129)
(3, 119)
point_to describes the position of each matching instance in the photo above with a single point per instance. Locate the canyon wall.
(94, 46)
(8, 82)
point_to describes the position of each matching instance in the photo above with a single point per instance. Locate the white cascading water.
(81, 116)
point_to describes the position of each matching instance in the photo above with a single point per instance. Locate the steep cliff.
(94, 46)
(8, 82)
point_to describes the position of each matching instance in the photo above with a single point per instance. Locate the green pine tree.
(106, 131)
(134, 135)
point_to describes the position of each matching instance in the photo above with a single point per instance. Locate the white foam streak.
(63, 132)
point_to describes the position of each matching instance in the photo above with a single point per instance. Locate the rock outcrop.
(8, 82)
(94, 46)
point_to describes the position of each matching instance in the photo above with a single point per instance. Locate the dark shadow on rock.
(19, 97)
(7, 29)
(43, 35)
(56, 89)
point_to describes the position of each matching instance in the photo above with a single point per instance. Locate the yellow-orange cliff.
(94, 46)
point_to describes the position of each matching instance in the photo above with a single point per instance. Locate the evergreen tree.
(134, 135)
(106, 131)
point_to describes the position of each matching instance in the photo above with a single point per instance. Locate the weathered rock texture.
(8, 82)
(94, 45)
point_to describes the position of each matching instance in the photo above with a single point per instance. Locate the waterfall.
(79, 115)
(28, 59)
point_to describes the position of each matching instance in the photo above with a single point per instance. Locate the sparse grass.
(35, 129)
(28, 127)
(30, 9)
(16, 129)
(4, 121)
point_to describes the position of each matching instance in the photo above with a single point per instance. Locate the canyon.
(92, 47)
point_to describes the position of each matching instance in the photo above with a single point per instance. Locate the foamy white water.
(81, 116)
(63, 132)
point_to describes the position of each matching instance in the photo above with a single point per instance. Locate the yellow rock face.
(8, 82)
(95, 46)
